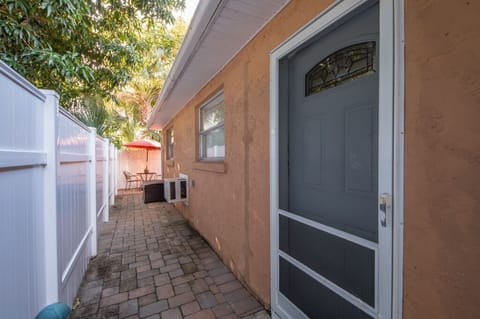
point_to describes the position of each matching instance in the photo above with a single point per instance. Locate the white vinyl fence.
(56, 180)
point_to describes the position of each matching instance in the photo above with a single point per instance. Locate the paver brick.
(128, 308)
(169, 268)
(182, 280)
(111, 283)
(200, 274)
(114, 299)
(172, 314)
(143, 268)
(220, 298)
(110, 291)
(128, 260)
(218, 271)
(153, 308)
(149, 259)
(229, 286)
(206, 300)
(139, 264)
(157, 263)
(148, 273)
(180, 289)
(128, 284)
(171, 261)
(92, 284)
(262, 315)
(147, 299)
(144, 282)
(222, 310)
(209, 280)
(236, 295)
(245, 305)
(176, 273)
(224, 278)
(204, 314)
(184, 260)
(181, 299)
(165, 291)
(214, 264)
(92, 295)
(161, 279)
(198, 285)
(214, 288)
(139, 292)
(189, 268)
(86, 310)
(127, 274)
(189, 308)
(108, 312)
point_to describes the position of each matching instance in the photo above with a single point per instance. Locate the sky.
(190, 6)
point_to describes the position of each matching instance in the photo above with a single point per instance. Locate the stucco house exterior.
(333, 152)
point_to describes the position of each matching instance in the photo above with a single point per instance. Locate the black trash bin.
(153, 192)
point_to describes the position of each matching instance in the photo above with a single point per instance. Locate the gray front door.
(328, 173)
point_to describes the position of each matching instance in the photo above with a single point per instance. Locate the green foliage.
(90, 51)
(92, 112)
(79, 47)
(138, 96)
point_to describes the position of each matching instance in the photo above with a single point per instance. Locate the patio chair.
(131, 179)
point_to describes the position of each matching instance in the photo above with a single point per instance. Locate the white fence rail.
(55, 180)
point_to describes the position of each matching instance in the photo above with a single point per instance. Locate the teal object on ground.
(56, 310)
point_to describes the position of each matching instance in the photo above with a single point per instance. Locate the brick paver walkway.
(151, 264)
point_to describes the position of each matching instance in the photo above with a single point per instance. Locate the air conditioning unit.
(176, 189)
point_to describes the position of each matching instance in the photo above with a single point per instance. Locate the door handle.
(385, 206)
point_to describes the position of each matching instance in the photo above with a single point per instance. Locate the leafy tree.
(138, 96)
(80, 47)
(93, 113)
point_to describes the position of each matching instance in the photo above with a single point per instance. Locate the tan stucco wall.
(231, 209)
(442, 158)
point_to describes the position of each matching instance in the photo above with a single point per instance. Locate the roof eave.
(193, 67)
(198, 26)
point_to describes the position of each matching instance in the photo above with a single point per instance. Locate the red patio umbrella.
(145, 144)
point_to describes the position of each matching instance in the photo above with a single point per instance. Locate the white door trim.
(398, 155)
(391, 82)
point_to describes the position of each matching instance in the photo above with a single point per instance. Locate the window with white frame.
(211, 130)
(169, 138)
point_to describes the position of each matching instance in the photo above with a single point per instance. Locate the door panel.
(360, 151)
(328, 172)
(332, 143)
(348, 265)
(312, 298)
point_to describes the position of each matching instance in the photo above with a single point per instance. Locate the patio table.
(146, 176)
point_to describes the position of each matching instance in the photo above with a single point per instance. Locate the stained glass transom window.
(343, 65)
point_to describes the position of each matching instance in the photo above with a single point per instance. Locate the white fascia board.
(170, 101)
(198, 27)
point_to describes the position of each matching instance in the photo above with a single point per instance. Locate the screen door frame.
(391, 145)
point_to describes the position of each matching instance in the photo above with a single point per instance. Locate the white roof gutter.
(203, 17)
(218, 31)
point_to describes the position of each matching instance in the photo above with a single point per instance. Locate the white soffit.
(218, 31)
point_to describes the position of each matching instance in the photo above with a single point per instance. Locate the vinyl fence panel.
(74, 225)
(22, 161)
(54, 181)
